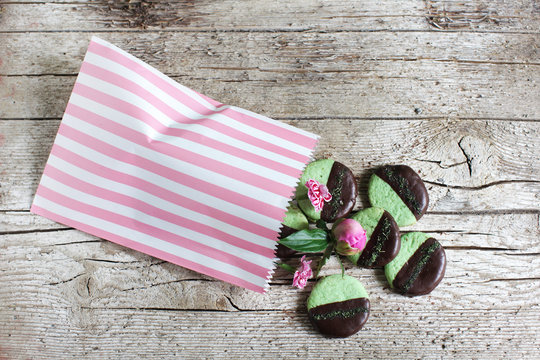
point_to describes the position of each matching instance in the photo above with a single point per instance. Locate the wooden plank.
(319, 75)
(493, 262)
(75, 332)
(260, 15)
(468, 165)
(263, 55)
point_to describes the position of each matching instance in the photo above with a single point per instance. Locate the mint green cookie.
(383, 241)
(338, 305)
(419, 266)
(335, 288)
(381, 194)
(295, 218)
(400, 191)
(340, 183)
(317, 170)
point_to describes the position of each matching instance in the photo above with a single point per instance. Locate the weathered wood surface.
(450, 88)
(411, 74)
(308, 15)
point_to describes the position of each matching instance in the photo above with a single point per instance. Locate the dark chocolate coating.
(408, 185)
(342, 185)
(340, 319)
(383, 245)
(423, 271)
(282, 251)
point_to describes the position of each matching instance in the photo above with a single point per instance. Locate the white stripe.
(196, 96)
(195, 147)
(275, 122)
(172, 163)
(165, 183)
(125, 119)
(150, 199)
(147, 240)
(147, 219)
(135, 100)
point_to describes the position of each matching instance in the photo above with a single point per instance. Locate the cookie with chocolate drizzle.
(419, 266)
(383, 239)
(333, 191)
(399, 190)
(338, 306)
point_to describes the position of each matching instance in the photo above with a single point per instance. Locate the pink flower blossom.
(350, 236)
(303, 273)
(318, 194)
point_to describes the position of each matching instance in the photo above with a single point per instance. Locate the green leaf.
(308, 241)
(324, 259)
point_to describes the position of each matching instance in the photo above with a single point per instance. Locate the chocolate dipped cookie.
(419, 266)
(400, 191)
(327, 190)
(382, 238)
(338, 306)
(294, 221)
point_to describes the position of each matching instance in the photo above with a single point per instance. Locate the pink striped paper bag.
(147, 163)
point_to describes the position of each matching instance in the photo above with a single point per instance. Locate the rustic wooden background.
(451, 88)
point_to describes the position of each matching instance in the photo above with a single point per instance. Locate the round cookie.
(338, 305)
(419, 267)
(382, 233)
(341, 184)
(294, 220)
(400, 191)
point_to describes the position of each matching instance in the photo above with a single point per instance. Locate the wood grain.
(117, 333)
(414, 75)
(260, 15)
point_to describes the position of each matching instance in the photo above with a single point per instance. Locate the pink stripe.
(151, 231)
(89, 116)
(171, 174)
(186, 155)
(179, 95)
(146, 249)
(160, 192)
(139, 113)
(151, 210)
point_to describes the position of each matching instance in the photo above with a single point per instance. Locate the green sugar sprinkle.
(336, 193)
(427, 252)
(404, 189)
(385, 232)
(343, 314)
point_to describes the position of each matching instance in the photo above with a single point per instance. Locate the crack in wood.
(77, 242)
(484, 186)
(439, 163)
(467, 157)
(168, 282)
(232, 304)
(19, 232)
(514, 279)
(65, 281)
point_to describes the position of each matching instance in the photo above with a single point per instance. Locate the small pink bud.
(350, 237)
(303, 273)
